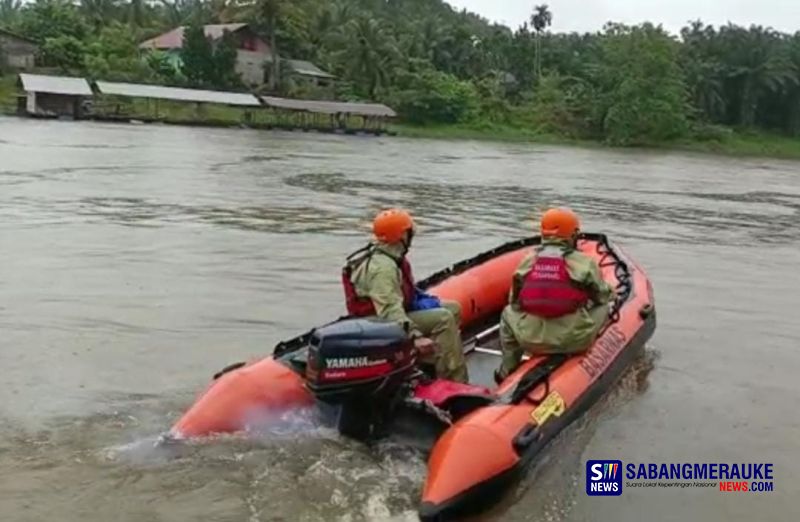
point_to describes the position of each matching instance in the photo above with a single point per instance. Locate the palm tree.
(269, 11)
(222, 11)
(704, 80)
(368, 51)
(178, 12)
(757, 65)
(9, 11)
(322, 29)
(137, 12)
(100, 12)
(704, 71)
(435, 38)
(793, 117)
(541, 19)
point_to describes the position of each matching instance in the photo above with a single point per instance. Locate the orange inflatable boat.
(480, 436)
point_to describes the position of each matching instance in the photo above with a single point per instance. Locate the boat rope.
(608, 258)
(229, 368)
(534, 377)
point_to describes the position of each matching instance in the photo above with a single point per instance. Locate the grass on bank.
(732, 143)
(8, 94)
(748, 143)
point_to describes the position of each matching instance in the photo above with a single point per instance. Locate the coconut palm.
(100, 12)
(541, 19)
(180, 12)
(9, 11)
(704, 71)
(757, 65)
(368, 53)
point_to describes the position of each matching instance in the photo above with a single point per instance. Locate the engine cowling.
(357, 356)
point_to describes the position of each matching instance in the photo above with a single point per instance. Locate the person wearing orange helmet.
(558, 300)
(378, 281)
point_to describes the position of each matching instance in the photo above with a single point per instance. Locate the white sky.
(590, 15)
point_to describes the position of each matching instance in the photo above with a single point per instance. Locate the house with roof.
(253, 53)
(308, 71)
(17, 51)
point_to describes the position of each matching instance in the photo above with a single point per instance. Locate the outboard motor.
(364, 366)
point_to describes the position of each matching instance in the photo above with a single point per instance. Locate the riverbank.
(731, 143)
(727, 142)
(747, 143)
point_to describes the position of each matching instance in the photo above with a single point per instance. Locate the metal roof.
(55, 84)
(329, 107)
(173, 39)
(136, 90)
(308, 69)
(18, 36)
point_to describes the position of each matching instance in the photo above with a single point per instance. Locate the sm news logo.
(604, 478)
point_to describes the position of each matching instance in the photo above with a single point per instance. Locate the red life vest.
(362, 306)
(547, 290)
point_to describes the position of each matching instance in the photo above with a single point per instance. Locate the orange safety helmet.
(560, 222)
(390, 225)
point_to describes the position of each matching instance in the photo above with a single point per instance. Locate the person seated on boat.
(558, 301)
(378, 281)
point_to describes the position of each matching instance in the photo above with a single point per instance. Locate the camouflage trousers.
(514, 335)
(442, 326)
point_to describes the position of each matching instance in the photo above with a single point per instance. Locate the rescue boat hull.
(542, 397)
(487, 491)
(511, 424)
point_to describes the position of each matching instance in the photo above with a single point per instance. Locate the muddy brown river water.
(139, 260)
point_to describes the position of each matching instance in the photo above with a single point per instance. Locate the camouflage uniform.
(380, 280)
(573, 333)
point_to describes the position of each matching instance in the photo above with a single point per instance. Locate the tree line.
(434, 64)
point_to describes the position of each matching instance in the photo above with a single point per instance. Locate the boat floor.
(482, 365)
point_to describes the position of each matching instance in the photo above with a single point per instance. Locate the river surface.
(139, 260)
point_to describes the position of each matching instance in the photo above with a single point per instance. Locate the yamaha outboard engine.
(363, 365)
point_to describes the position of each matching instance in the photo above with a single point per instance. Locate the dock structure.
(117, 101)
(332, 115)
(53, 96)
(59, 96)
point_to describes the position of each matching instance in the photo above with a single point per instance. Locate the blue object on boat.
(423, 301)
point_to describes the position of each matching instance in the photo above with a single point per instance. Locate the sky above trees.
(590, 15)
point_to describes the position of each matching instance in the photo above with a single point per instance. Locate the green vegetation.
(745, 143)
(748, 143)
(7, 94)
(451, 73)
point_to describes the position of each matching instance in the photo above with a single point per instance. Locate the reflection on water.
(138, 261)
(139, 212)
(452, 208)
(451, 205)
